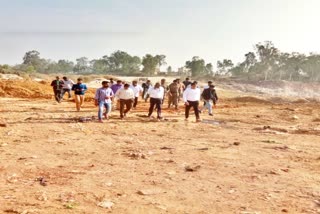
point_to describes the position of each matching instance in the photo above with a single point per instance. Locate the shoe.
(105, 115)
(198, 120)
(100, 121)
(210, 114)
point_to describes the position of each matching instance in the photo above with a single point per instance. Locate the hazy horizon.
(179, 29)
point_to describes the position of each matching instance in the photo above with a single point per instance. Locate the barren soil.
(252, 157)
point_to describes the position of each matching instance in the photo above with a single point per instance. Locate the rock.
(236, 143)
(232, 191)
(282, 148)
(106, 204)
(149, 192)
(192, 169)
(166, 148)
(203, 149)
(272, 172)
(295, 117)
(42, 181)
(284, 210)
(3, 125)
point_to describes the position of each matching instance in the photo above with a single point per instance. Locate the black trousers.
(127, 104)
(195, 106)
(66, 91)
(135, 102)
(57, 95)
(155, 103)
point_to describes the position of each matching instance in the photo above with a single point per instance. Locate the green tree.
(121, 62)
(65, 66)
(150, 64)
(30, 69)
(82, 66)
(209, 69)
(269, 57)
(224, 66)
(5, 67)
(161, 60)
(197, 66)
(32, 58)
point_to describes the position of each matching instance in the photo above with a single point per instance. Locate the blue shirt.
(79, 89)
(102, 93)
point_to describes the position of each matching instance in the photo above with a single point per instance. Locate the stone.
(106, 204)
(192, 169)
(149, 192)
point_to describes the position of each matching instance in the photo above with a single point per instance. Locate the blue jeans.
(208, 105)
(102, 105)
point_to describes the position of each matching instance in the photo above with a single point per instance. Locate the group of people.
(60, 87)
(127, 96)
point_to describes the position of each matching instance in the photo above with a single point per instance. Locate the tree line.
(269, 63)
(119, 63)
(265, 62)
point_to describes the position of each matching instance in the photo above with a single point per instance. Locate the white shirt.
(136, 90)
(124, 94)
(205, 87)
(156, 93)
(67, 84)
(191, 94)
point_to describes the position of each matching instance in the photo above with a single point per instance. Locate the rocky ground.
(254, 156)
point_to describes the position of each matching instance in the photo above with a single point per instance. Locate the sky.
(180, 29)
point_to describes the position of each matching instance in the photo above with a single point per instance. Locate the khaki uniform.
(173, 94)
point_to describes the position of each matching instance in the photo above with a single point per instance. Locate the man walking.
(67, 86)
(146, 87)
(208, 86)
(173, 93)
(156, 95)
(126, 97)
(210, 98)
(103, 99)
(191, 98)
(186, 83)
(79, 92)
(164, 85)
(137, 90)
(57, 85)
(181, 89)
(115, 88)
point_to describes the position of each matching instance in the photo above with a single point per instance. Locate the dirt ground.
(252, 157)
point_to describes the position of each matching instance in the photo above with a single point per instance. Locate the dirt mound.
(25, 89)
(31, 89)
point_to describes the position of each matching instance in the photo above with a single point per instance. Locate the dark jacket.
(210, 94)
(57, 84)
(79, 89)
